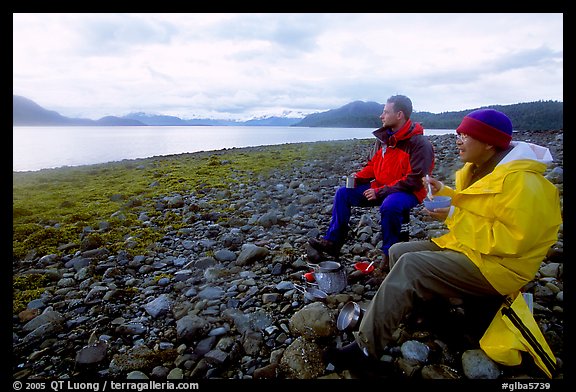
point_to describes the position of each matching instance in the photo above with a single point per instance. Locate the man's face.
(390, 118)
(472, 150)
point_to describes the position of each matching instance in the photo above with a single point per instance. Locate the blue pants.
(392, 210)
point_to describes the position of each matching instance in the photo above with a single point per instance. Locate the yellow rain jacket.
(507, 221)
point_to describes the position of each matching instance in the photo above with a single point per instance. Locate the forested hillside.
(541, 115)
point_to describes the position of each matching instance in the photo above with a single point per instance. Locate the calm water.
(36, 148)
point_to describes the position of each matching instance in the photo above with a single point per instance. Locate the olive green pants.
(418, 270)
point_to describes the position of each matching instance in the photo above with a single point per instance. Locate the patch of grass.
(26, 288)
(162, 275)
(53, 207)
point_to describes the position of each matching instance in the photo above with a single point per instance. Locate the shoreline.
(520, 134)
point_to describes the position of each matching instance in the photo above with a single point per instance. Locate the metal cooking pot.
(330, 276)
(349, 316)
(326, 266)
(311, 293)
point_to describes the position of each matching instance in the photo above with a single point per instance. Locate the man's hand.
(434, 184)
(370, 194)
(439, 213)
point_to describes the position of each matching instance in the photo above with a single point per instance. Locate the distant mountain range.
(540, 115)
(26, 112)
(159, 120)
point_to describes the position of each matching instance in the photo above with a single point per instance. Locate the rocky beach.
(217, 296)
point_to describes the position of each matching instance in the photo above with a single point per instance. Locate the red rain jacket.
(404, 157)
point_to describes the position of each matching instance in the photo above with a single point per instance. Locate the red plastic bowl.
(361, 266)
(309, 276)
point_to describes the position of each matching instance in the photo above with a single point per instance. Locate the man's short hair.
(401, 104)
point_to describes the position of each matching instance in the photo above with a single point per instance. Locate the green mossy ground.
(52, 208)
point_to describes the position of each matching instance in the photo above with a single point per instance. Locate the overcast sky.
(247, 65)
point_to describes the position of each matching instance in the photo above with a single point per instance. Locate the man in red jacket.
(392, 179)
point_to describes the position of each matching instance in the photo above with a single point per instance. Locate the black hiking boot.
(324, 246)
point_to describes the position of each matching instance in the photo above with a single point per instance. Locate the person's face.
(390, 118)
(472, 150)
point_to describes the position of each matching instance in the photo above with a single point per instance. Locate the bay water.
(36, 148)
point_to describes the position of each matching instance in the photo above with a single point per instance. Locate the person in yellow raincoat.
(505, 216)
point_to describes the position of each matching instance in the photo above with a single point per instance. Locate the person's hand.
(438, 213)
(370, 194)
(434, 184)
